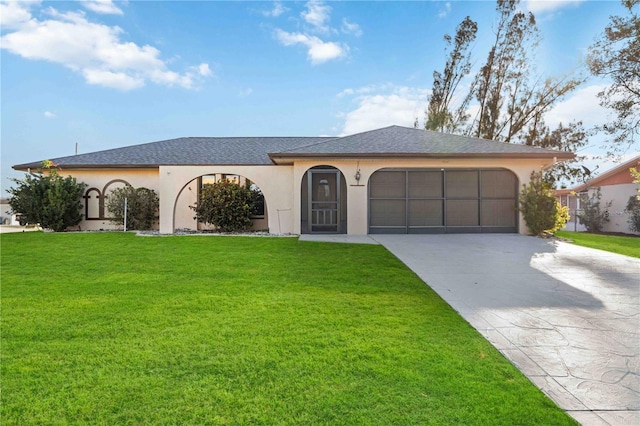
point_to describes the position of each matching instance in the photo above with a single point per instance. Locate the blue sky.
(107, 74)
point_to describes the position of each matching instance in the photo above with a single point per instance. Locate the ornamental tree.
(48, 199)
(226, 205)
(142, 207)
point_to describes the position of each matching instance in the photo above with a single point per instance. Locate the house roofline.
(35, 166)
(286, 158)
(619, 168)
(278, 158)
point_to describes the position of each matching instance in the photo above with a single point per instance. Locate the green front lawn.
(110, 328)
(629, 246)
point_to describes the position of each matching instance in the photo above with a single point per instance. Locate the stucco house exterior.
(616, 186)
(389, 180)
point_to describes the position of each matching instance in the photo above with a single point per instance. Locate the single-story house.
(616, 186)
(389, 180)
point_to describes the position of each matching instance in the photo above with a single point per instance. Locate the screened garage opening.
(432, 201)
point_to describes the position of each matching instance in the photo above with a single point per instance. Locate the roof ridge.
(247, 137)
(331, 139)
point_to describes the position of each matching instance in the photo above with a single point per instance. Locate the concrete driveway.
(568, 317)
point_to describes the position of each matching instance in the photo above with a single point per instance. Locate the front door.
(324, 202)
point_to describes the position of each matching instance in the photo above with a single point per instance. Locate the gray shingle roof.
(185, 151)
(396, 140)
(390, 141)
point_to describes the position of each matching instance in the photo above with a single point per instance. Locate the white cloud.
(105, 7)
(398, 106)
(444, 11)
(95, 51)
(318, 51)
(351, 28)
(364, 90)
(317, 14)
(204, 70)
(582, 105)
(49, 114)
(115, 80)
(277, 10)
(245, 92)
(545, 6)
(15, 13)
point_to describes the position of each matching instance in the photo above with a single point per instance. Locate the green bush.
(633, 209)
(542, 213)
(590, 214)
(226, 205)
(50, 200)
(142, 207)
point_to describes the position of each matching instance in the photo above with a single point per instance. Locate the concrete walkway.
(7, 229)
(568, 317)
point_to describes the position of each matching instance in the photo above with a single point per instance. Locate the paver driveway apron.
(567, 316)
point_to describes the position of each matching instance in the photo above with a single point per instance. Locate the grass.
(110, 328)
(629, 246)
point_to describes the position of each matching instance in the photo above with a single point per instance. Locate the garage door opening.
(428, 201)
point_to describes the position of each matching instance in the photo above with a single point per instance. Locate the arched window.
(116, 183)
(92, 200)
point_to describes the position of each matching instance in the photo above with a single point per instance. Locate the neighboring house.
(616, 186)
(7, 217)
(390, 180)
(570, 199)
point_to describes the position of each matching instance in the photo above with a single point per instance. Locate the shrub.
(142, 207)
(633, 209)
(258, 199)
(49, 199)
(635, 174)
(542, 213)
(590, 214)
(226, 205)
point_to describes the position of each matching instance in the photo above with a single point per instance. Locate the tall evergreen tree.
(509, 97)
(616, 55)
(439, 114)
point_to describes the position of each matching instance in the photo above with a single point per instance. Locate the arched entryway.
(184, 215)
(323, 198)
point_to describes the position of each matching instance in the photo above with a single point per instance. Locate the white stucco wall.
(619, 196)
(108, 179)
(281, 186)
(357, 214)
(275, 182)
